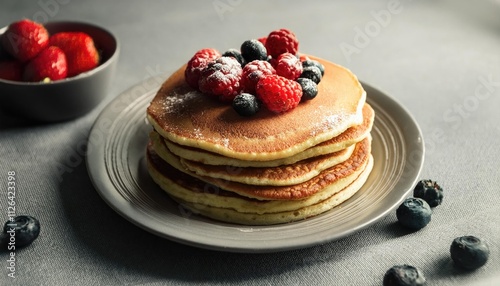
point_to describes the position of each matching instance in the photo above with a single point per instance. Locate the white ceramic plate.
(116, 164)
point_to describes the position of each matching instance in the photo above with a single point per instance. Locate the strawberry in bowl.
(56, 76)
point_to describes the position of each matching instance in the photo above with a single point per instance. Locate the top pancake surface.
(187, 117)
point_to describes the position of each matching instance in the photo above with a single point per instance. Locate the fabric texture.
(439, 59)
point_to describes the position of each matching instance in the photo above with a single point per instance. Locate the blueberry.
(401, 275)
(25, 230)
(414, 213)
(235, 54)
(4, 239)
(313, 63)
(469, 252)
(253, 50)
(430, 191)
(246, 104)
(311, 72)
(309, 88)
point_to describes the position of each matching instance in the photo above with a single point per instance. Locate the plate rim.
(126, 209)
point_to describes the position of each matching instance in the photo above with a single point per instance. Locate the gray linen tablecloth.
(440, 59)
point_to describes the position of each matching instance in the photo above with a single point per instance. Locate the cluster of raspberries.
(263, 72)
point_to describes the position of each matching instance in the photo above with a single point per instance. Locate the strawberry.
(11, 70)
(50, 63)
(79, 49)
(25, 39)
(3, 54)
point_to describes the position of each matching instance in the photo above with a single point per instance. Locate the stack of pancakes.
(268, 168)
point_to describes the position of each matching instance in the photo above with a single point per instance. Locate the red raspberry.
(197, 63)
(281, 41)
(289, 66)
(278, 94)
(262, 40)
(222, 78)
(252, 72)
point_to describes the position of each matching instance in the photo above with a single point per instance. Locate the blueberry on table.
(402, 275)
(414, 213)
(4, 240)
(430, 191)
(25, 229)
(469, 252)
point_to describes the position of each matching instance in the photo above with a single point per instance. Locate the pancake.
(232, 216)
(325, 178)
(283, 175)
(227, 206)
(349, 137)
(268, 168)
(189, 118)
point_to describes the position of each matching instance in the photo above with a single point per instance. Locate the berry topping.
(430, 191)
(281, 41)
(312, 63)
(197, 63)
(278, 94)
(309, 88)
(253, 50)
(50, 64)
(414, 213)
(269, 68)
(23, 229)
(25, 39)
(81, 53)
(11, 70)
(253, 72)
(262, 40)
(469, 252)
(246, 104)
(221, 78)
(288, 65)
(313, 73)
(403, 275)
(235, 54)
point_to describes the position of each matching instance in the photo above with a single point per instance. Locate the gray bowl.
(68, 98)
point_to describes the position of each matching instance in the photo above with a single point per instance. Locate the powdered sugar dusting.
(332, 122)
(197, 133)
(225, 142)
(176, 101)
